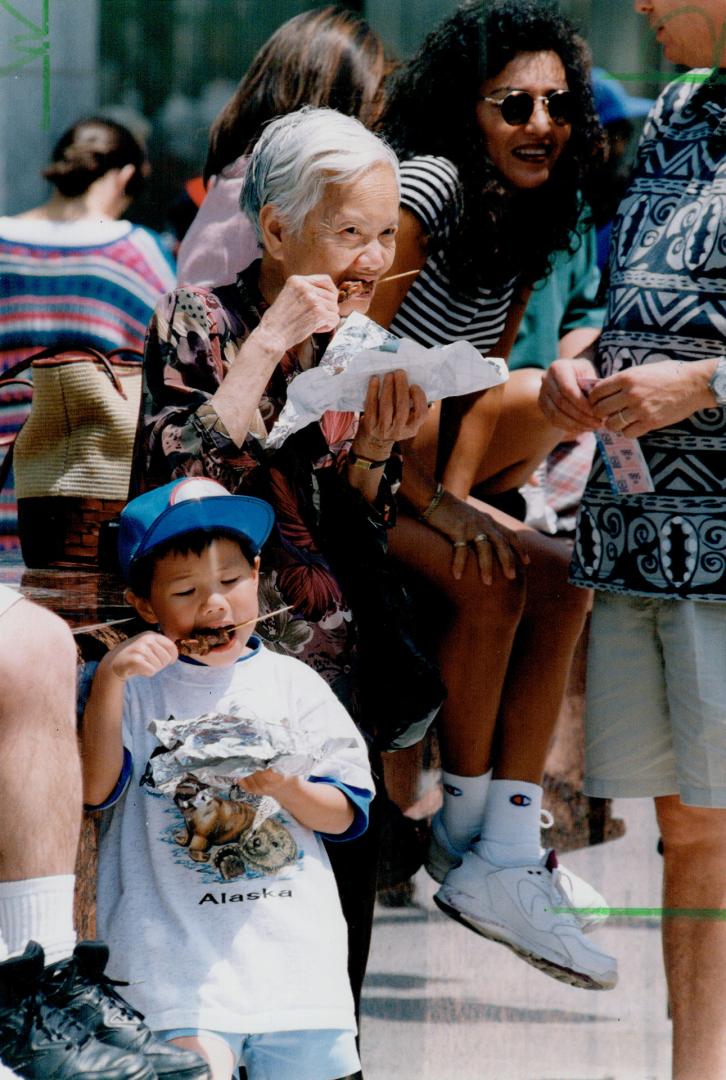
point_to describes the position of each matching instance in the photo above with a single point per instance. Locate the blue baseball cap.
(183, 506)
(612, 100)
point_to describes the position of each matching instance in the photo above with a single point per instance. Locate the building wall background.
(167, 66)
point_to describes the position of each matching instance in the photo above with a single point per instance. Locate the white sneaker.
(522, 907)
(588, 906)
(441, 856)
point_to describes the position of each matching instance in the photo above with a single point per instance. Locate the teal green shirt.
(564, 301)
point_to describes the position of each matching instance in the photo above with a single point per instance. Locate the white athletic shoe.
(587, 903)
(522, 907)
(588, 906)
(441, 856)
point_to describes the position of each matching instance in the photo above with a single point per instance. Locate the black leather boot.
(80, 987)
(41, 1042)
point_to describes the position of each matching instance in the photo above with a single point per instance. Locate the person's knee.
(690, 828)
(501, 602)
(37, 662)
(549, 588)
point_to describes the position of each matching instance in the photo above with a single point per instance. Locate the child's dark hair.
(191, 543)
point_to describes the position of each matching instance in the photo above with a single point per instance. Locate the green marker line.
(647, 912)
(46, 66)
(32, 45)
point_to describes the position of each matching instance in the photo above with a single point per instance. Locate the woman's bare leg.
(475, 646)
(520, 441)
(540, 660)
(505, 655)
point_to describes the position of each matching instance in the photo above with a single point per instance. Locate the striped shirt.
(433, 313)
(71, 284)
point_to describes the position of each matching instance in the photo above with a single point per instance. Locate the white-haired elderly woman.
(323, 193)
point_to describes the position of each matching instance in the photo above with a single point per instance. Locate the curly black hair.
(431, 109)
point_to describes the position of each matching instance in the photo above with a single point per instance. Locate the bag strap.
(6, 464)
(53, 353)
(9, 377)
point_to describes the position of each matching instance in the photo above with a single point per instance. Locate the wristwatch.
(717, 382)
(366, 463)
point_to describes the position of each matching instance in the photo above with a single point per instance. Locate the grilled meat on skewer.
(206, 638)
(348, 289)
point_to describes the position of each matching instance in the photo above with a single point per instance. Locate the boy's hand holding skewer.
(144, 654)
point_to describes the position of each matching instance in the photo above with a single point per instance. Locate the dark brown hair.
(500, 231)
(326, 57)
(90, 149)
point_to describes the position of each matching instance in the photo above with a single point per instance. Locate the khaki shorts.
(8, 597)
(656, 699)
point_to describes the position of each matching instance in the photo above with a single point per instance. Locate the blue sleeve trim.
(361, 800)
(121, 784)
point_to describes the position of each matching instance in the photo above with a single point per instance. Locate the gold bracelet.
(435, 500)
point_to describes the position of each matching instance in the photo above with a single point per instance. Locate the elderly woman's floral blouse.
(194, 335)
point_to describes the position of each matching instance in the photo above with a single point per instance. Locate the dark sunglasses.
(518, 106)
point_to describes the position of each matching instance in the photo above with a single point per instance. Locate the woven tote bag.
(72, 457)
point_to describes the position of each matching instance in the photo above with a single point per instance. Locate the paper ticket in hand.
(625, 463)
(361, 349)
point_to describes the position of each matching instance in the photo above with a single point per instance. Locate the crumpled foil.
(360, 349)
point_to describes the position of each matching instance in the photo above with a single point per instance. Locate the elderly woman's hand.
(393, 411)
(471, 529)
(305, 305)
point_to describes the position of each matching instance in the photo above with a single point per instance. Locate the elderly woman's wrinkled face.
(350, 235)
(525, 153)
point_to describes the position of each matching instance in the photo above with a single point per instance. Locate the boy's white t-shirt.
(264, 951)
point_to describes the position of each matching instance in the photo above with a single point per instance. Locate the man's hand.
(144, 654)
(563, 401)
(643, 399)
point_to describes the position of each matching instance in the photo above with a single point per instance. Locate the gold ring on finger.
(623, 420)
(481, 538)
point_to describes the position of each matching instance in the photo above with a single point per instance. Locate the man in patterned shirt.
(656, 708)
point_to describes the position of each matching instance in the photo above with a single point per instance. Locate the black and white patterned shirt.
(433, 313)
(667, 301)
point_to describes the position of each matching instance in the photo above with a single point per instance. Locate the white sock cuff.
(455, 785)
(513, 812)
(464, 801)
(38, 909)
(506, 791)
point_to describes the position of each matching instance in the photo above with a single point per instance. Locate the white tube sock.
(464, 799)
(510, 831)
(38, 909)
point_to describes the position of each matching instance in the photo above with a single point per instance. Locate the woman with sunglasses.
(495, 126)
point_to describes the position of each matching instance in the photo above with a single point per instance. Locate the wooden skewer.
(395, 277)
(128, 618)
(100, 625)
(259, 618)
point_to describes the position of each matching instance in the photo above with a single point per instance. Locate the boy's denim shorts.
(656, 699)
(325, 1054)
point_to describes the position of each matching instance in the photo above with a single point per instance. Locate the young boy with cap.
(231, 936)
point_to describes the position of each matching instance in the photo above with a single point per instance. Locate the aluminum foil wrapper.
(221, 748)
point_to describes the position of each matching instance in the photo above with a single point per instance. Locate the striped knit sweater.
(65, 284)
